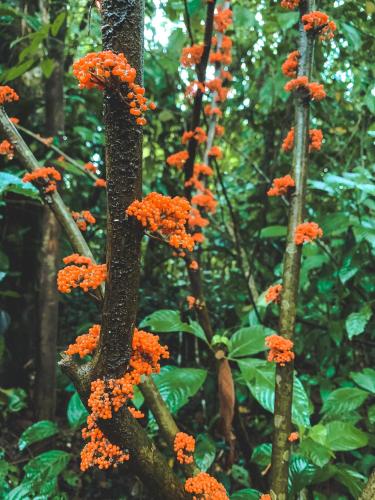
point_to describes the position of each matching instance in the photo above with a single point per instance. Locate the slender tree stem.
(291, 271)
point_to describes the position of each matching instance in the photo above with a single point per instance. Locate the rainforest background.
(333, 406)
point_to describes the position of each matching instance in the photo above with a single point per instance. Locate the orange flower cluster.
(314, 90)
(178, 160)
(110, 395)
(198, 237)
(83, 218)
(280, 349)
(316, 139)
(166, 216)
(184, 443)
(49, 174)
(80, 272)
(7, 94)
(219, 130)
(14, 120)
(290, 66)
(216, 152)
(307, 232)
(216, 85)
(99, 451)
(199, 169)
(319, 22)
(194, 265)
(102, 183)
(198, 134)
(293, 436)
(273, 294)
(205, 200)
(7, 149)
(222, 19)
(196, 219)
(85, 344)
(205, 487)
(289, 4)
(280, 186)
(209, 111)
(90, 167)
(265, 496)
(191, 301)
(192, 55)
(193, 88)
(108, 69)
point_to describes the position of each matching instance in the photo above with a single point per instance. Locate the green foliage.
(76, 411)
(248, 340)
(165, 321)
(177, 385)
(37, 432)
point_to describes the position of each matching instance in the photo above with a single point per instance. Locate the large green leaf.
(205, 451)
(37, 432)
(352, 479)
(273, 232)
(41, 474)
(249, 340)
(168, 320)
(365, 379)
(262, 454)
(76, 411)
(356, 322)
(10, 182)
(262, 387)
(343, 436)
(246, 494)
(177, 385)
(317, 453)
(344, 400)
(301, 473)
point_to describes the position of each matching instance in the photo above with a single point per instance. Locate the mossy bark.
(291, 270)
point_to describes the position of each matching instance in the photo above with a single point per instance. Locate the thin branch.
(58, 151)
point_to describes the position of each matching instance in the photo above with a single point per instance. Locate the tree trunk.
(45, 383)
(291, 271)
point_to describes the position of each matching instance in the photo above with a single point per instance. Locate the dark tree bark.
(45, 382)
(122, 29)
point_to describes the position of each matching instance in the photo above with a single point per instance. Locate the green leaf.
(352, 479)
(246, 494)
(205, 452)
(273, 232)
(76, 411)
(317, 453)
(10, 182)
(20, 492)
(371, 414)
(343, 436)
(262, 454)
(37, 432)
(287, 20)
(47, 67)
(352, 35)
(344, 400)
(168, 320)
(356, 322)
(57, 23)
(248, 340)
(301, 473)
(365, 379)
(42, 471)
(262, 387)
(17, 71)
(16, 399)
(177, 385)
